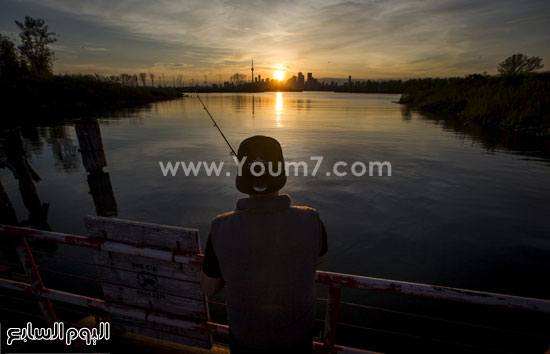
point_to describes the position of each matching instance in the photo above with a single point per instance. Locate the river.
(464, 207)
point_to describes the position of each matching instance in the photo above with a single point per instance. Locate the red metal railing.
(335, 282)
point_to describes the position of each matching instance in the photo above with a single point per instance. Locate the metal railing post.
(37, 286)
(334, 294)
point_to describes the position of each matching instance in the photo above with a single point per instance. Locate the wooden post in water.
(7, 212)
(102, 193)
(88, 133)
(91, 144)
(8, 216)
(26, 177)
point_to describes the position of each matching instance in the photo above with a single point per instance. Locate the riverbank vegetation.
(372, 86)
(518, 99)
(28, 86)
(67, 95)
(520, 103)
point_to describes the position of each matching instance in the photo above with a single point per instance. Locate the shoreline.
(58, 97)
(518, 104)
(493, 102)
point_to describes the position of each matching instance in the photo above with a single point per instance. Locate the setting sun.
(279, 75)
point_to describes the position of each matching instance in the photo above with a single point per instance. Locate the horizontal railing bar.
(433, 291)
(115, 309)
(103, 245)
(329, 278)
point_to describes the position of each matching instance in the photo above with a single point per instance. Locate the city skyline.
(368, 40)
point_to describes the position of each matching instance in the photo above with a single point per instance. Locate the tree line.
(34, 56)
(30, 89)
(516, 100)
(142, 80)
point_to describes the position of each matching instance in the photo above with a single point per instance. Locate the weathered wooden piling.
(91, 144)
(88, 133)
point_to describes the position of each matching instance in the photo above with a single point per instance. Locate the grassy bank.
(520, 103)
(64, 95)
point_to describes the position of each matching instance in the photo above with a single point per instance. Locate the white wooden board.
(151, 284)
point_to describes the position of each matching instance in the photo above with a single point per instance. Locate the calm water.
(463, 208)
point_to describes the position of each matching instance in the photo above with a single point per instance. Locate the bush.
(519, 103)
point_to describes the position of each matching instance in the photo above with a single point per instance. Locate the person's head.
(261, 150)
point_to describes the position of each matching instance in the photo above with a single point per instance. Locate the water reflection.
(279, 108)
(406, 113)
(15, 159)
(303, 104)
(63, 148)
(491, 139)
(240, 104)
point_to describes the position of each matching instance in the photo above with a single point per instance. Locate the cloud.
(372, 38)
(95, 49)
(172, 65)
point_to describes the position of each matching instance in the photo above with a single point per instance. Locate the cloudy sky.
(332, 38)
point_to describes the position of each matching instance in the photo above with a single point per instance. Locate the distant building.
(300, 82)
(311, 83)
(349, 80)
(293, 81)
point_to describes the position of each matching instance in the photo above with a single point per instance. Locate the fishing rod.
(232, 153)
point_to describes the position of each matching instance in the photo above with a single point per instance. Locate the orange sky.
(370, 39)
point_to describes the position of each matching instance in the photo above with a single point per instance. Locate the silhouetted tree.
(10, 61)
(125, 79)
(238, 79)
(519, 64)
(34, 48)
(152, 77)
(143, 78)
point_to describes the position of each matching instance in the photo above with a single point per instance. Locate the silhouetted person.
(265, 253)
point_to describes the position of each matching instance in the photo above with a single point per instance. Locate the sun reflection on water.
(279, 107)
